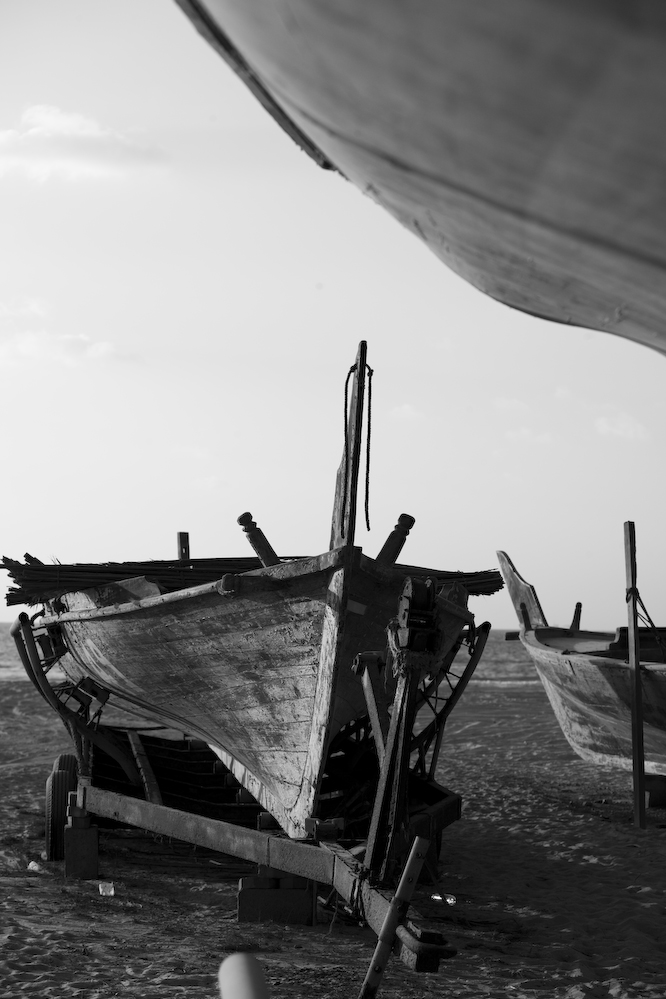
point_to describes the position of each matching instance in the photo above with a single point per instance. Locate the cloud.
(40, 346)
(525, 435)
(54, 143)
(407, 412)
(562, 393)
(510, 405)
(621, 425)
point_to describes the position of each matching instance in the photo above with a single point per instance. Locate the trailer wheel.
(58, 785)
(66, 761)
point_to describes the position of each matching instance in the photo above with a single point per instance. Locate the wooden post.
(637, 747)
(343, 523)
(397, 912)
(575, 621)
(258, 540)
(396, 540)
(183, 546)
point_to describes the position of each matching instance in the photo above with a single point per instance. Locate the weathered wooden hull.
(259, 667)
(522, 140)
(591, 698)
(588, 680)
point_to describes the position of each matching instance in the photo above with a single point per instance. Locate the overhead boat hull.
(522, 140)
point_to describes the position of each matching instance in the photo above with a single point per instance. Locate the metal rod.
(637, 744)
(396, 913)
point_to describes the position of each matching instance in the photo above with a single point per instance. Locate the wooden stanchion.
(183, 546)
(396, 912)
(637, 746)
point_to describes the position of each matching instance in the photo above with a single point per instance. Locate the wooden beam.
(328, 863)
(367, 665)
(637, 744)
(343, 523)
(183, 546)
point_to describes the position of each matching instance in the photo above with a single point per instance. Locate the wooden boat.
(256, 663)
(522, 140)
(588, 680)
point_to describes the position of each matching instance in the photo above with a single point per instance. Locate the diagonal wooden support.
(392, 784)
(396, 913)
(368, 666)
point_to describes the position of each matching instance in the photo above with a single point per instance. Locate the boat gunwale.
(274, 575)
(531, 641)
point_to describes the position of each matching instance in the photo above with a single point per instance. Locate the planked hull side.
(253, 675)
(591, 698)
(264, 676)
(521, 140)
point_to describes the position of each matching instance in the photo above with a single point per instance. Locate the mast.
(346, 484)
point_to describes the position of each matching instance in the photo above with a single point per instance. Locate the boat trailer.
(118, 773)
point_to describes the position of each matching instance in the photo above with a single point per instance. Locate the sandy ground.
(558, 895)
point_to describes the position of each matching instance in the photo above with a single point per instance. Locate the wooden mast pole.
(343, 523)
(637, 747)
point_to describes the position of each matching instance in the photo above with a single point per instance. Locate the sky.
(182, 292)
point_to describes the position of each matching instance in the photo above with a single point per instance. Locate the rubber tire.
(59, 783)
(66, 761)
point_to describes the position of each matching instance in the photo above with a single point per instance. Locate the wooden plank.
(375, 698)
(343, 524)
(150, 785)
(327, 864)
(637, 742)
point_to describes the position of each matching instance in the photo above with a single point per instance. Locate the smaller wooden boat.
(588, 680)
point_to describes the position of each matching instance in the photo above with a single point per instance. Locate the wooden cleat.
(258, 540)
(396, 540)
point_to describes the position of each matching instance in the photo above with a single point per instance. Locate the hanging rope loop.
(644, 618)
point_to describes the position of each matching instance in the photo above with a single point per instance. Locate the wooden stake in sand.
(396, 911)
(637, 746)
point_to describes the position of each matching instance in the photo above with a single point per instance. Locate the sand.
(557, 894)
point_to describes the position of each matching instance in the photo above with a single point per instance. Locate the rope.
(644, 617)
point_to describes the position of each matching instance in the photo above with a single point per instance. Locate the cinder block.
(293, 882)
(254, 882)
(264, 871)
(292, 906)
(81, 852)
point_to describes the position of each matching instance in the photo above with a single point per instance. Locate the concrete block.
(291, 906)
(264, 871)
(255, 882)
(81, 852)
(291, 881)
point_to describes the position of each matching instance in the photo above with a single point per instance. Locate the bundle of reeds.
(38, 581)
